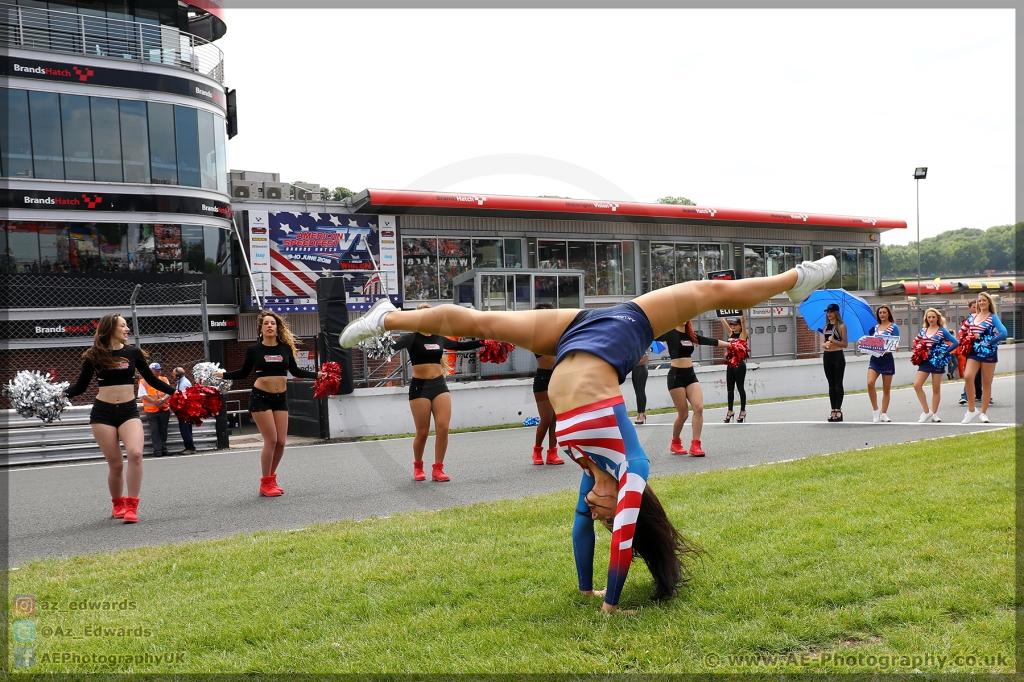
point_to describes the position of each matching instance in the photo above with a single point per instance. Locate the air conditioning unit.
(244, 190)
(307, 191)
(275, 190)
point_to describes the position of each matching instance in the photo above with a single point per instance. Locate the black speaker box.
(331, 300)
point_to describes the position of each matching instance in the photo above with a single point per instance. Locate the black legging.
(640, 387)
(734, 382)
(835, 368)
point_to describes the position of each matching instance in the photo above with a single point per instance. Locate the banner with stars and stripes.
(305, 246)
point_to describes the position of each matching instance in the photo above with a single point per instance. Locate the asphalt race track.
(63, 510)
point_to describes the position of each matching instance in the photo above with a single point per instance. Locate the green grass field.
(894, 558)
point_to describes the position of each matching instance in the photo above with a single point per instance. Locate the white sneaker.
(983, 418)
(810, 276)
(884, 417)
(935, 418)
(969, 417)
(369, 325)
(875, 416)
(925, 417)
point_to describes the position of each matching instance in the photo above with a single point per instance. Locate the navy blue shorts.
(929, 368)
(619, 335)
(883, 364)
(541, 380)
(990, 359)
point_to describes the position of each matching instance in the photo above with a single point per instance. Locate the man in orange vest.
(158, 413)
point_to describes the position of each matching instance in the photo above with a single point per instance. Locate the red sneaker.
(273, 483)
(538, 454)
(131, 510)
(438, 474)
(553, 457)
(267, 487)
(677, 447)
(417, 472)
(118, 512)
(695, 450)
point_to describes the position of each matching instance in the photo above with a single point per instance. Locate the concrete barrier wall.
(385, 411)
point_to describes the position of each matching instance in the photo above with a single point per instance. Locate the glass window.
(113, 246)
(628, 268)
(551, 254)
(710, 259)
(162, 155)
(77, 132)
(514, 253)
(834, 282)
(106, 139)
(53, 247)
(15, 135)
(186, 136)
(753, 261)
(487, 253)
(452, 260)
(168, 247)
(134, 141)
(218, 251)
(47, 151)
(83, 248)
(23, 245)
(850, 269)
(207, 150)
(193, 248)
(4, 262)
(522, 291)
(794, 256)
(866, 270)
(141, 247)
(663, 265)
(774, 260)
(581, 257)
(419, 268)
(219, 142)
(568, 292)
(609, 268)
(687, 268)
(545, 290)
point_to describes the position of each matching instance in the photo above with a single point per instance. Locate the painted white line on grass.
(928, 424)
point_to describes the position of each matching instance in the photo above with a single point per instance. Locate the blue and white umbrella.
(856, 313)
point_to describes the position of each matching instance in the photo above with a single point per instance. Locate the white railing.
(32, 28)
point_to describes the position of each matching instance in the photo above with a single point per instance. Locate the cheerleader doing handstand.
(594, 350)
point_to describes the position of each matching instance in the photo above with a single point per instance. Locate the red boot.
(553, 457)
(267, 487)
(273, 484)
(131, 510)
(438, 474)
(677, 447)
(538, 454)
(417, 472)
(118, 512)
(695, 450)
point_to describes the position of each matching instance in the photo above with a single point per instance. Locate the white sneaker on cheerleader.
(935, 418)
(983, 418)
(969, 417)
(369, 325)
(810, 276)
(884, 417)
(875, 416)
(925, 417)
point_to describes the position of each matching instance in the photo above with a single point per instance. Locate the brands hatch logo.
(708, 211)
(83, 73)
(69, 328)
(94, 202)
(217, 209)
(593, 204)
(869, 221)
(468, 198)
(90, 201)
(798, 216)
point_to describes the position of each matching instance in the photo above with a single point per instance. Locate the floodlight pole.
(917, 186)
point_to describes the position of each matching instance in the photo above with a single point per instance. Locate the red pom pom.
(967, 339)
(195, 404)
(328, 383)
(495, 352)
(920, 353)
(737, 352)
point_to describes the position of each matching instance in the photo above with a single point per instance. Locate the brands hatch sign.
(128, 203)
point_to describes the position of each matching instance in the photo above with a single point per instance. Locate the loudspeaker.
(331, 301)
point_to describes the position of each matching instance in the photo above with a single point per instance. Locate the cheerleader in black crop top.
(683, 385)
(429, 396)
(272, 358)
(115, 416)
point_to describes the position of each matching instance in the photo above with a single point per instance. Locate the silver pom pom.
(203, 373)
(379, 347)
(33, 394)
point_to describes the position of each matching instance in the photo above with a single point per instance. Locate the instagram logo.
(25, 605)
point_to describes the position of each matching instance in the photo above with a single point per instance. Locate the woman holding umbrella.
(832, 357)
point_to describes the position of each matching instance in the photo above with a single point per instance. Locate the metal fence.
(34, 28)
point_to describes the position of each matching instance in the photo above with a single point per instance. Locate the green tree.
(678, 201)
(338, 193)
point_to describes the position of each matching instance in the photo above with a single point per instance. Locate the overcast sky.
(817, 111)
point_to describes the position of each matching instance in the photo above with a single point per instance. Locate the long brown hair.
(284, 333)
(689, 331)
(99, 352)
(991, 302)
(663, 548)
